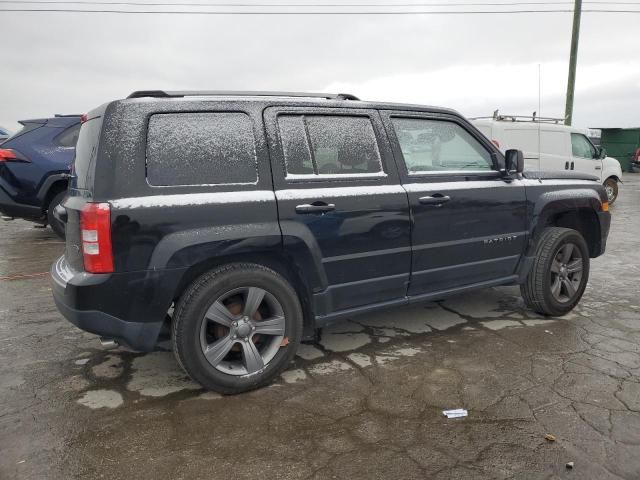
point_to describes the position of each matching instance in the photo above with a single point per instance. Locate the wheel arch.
(54, 185)
(583, 220)
(575, 209)
(615, 177)
(279, 262)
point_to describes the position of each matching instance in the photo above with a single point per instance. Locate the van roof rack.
(208, 93)
(521, 118)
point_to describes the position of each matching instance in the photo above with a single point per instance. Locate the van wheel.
(611, 187)
(57, 226)
(559, 273)
(237, 327)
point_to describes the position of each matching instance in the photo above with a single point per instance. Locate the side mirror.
(514, 161)
(600, 153)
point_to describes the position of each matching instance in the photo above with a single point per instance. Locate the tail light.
(636, 155)
(95, 231)
(8, 155)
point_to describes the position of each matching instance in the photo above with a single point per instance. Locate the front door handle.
(566, 165)
(598, 168)
(315, 207)
(436, 200)
(572, 165)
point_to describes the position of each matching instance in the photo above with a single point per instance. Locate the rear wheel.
(559, 274)
(611, 187)
(237, 327)
(56, 225)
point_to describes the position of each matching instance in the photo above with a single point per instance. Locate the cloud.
(61, 63)
(477, 90)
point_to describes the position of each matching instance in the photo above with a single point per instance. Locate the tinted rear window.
(69, 137)
(329, 145)
(86, 151)
(201, 149)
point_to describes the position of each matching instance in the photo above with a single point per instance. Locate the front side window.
(439, 145)
(581, 146)
(329, 145)
(201, 149)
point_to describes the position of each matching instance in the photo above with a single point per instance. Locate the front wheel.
(611, 187)
(559, 273)
(237, 327)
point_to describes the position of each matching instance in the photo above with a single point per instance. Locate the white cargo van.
(549, 145)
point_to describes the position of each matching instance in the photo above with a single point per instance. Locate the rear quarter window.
(69, 137)
(86, 152)
(201, 149)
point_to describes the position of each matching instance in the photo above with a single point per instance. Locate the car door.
(584, 156)
(339, 197)
(555, 149)
(469, 224)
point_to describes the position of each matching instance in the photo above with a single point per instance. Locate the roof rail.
(520, 118)
(187, 93)
(57, 115)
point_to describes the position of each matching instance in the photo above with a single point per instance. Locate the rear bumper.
(127, 307)
(135, 335)
(10, 208)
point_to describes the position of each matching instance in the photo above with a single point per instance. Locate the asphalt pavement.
(364, 403)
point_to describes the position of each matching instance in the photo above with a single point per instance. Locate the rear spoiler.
(57, 121)
(41, 121)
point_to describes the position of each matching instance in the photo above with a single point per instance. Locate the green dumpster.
(621, 144)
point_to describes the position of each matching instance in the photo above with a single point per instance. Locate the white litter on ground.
(455, 413)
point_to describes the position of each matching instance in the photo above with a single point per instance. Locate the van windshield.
(86, 152)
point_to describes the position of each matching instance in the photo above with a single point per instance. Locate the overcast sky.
(70, 63)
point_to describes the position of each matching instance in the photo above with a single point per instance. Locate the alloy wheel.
(242, 331)
(566, 273)
(611, 191)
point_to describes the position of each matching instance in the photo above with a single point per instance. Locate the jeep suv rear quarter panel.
(178, 225)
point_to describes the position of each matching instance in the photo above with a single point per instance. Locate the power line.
(280, 4)
(305, 12)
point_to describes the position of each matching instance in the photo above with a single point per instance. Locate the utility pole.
(571, 83)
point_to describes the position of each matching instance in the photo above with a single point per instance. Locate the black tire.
(611, 185)
(536, 290)
(57, 226)
(202, 294)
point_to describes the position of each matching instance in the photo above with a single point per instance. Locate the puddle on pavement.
(343, 347)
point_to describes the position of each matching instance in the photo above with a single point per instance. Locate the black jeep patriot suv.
(256, 218)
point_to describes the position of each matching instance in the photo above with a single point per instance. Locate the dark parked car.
(258, 218)
(35, 166)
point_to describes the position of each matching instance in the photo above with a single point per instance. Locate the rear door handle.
(315, 208)
(566, 165)
(572, 165)
(436, 200)
(598, 168)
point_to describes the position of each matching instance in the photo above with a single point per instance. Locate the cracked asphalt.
(366, 402)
